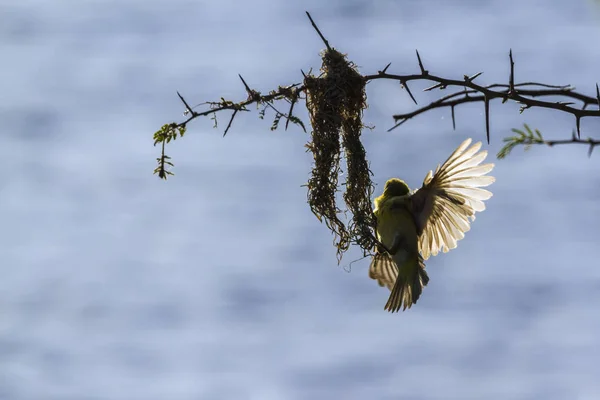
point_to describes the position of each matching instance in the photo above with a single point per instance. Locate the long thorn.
(230, 121)
(423, 70)
(487, 119)
(187, 106)
(511, 79)
(472, 77)
(245, 85)
(397, 125)
(385, 69)
(430, 88)
(405, 86)
(318, 31)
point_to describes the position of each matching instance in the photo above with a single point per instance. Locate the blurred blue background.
(220, 283)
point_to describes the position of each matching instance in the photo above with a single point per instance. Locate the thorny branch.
(522, 93)
(525, 93)
(168, 132)
(335, 100)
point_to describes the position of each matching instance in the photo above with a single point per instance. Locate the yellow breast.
(396, 220)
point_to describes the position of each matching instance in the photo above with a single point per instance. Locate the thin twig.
(592, 143)
(528, 137)
(318, 31)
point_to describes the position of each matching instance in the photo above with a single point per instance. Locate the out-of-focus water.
(220, 283)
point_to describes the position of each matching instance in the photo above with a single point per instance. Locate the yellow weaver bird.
(412, 226)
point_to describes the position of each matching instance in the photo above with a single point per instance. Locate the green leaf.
(526, 137)
(297, 121)
(276, 122)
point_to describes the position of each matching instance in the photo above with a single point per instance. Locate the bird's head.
(393, 187)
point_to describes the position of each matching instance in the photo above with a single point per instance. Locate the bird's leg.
(396, 244)
(380, 247)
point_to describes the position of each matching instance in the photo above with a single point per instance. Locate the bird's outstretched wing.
(449, 197)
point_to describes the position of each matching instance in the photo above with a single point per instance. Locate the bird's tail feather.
(408, 289)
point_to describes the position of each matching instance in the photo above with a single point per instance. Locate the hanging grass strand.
(335, 101)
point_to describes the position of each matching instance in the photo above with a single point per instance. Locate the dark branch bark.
(512, 91)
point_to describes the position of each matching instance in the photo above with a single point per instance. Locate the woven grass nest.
(336, 100)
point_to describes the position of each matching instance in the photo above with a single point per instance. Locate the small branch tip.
(318, 31)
